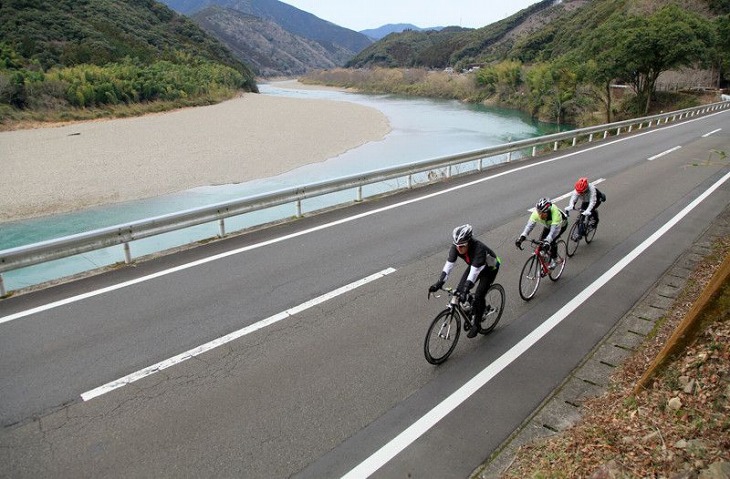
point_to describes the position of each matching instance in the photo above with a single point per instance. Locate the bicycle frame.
(538, 252)
(454, 304)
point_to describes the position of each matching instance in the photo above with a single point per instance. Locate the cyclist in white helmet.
(554, 222)
(483, 268)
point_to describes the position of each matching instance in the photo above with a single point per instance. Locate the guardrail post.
(618, 131)
(650, 122)
(299, 208)
(127, 254)
(534, 151)
(555, 146)
(575, 139)
(605, 134)
(590, 138)
(221, 228)
(630, 128)
(410, 181)
(448, 171)
(359, 194)
(2, 287)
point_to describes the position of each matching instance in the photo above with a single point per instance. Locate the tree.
(670, 38)
(604, 59)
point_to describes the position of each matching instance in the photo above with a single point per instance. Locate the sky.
(361, 15)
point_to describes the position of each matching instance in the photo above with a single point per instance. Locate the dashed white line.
(710, 133)
(130, 378)
(652, 158)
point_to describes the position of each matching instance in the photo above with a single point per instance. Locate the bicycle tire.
(529, 278)
(590, 233)
(557, 272)
(445, 327)
(495, 304)
(572, 244)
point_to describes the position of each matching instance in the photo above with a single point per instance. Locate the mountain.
(446, 47)
(543, 31)
(385, 30)
(341, 44)
(59, 33)
(264, 45)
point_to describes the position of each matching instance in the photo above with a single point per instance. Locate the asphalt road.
(266, 355)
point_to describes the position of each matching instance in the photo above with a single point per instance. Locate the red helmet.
(581, 185)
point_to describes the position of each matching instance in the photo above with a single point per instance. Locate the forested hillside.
(62, 55)
(557, 59)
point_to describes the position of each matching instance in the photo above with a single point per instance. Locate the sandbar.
(52, 170)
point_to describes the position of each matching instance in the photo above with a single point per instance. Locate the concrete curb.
(562, 408)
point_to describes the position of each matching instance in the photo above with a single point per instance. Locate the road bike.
(444, 331)
(538, 265)
(583, 228)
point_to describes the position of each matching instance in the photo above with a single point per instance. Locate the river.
(421, 129)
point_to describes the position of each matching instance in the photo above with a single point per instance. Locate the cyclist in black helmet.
(554, 222)
(483, 268)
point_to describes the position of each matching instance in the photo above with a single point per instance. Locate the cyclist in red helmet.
(590, 197)
(554, 223)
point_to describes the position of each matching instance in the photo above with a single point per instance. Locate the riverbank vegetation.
(579, 62)
(81, 59)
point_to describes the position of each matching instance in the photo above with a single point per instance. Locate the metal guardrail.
(28, 255)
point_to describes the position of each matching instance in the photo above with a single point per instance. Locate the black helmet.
(543, 205)
(462, 234)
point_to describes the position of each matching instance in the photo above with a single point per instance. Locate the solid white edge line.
(711, 133)
(90, 294)
(130, 378)
(417, 429)
(652, 158)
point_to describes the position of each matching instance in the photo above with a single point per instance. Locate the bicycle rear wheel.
(573, 240)
(494, 308)
(442, 336)
(557, 272)
(590, 233)
(530, 278)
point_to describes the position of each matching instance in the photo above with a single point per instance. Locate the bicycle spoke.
(442, 336)
(573, 239)
(560, 260)
(495, 306)
(530, 278)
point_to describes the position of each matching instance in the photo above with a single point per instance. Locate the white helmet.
(462, 234)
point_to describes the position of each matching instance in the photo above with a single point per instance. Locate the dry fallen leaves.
(666, 429)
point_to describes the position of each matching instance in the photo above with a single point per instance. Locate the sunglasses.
(462, 245)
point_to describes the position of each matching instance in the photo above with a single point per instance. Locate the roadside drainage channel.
(591, 378)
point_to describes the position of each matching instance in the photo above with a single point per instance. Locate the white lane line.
(652, 158)
(130, 378)
(417, 429)
(73, 299)
(710, 133)
(566, 195)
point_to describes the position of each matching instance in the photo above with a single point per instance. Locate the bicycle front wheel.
(557, 272)
(442, 336)
(590, 233)
(493, 311)
(573, 240)
(530, 278)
